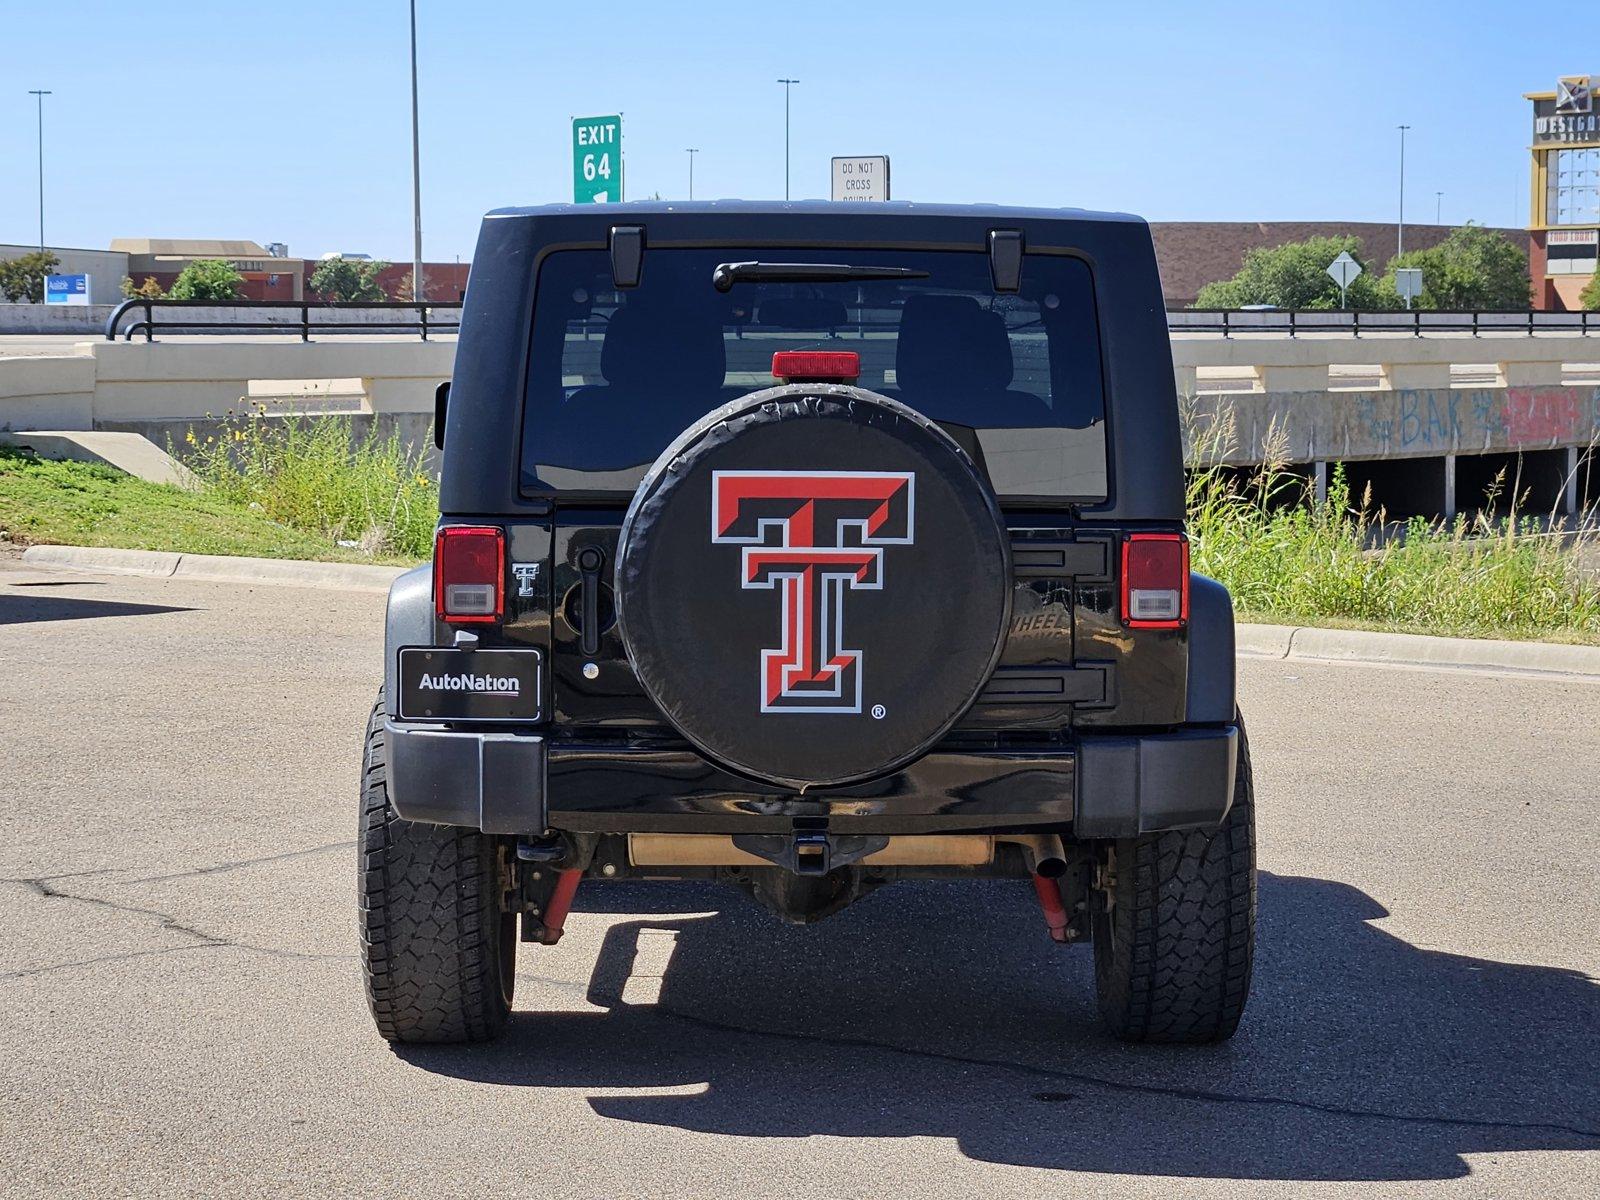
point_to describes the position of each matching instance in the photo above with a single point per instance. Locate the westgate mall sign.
(1570, 116)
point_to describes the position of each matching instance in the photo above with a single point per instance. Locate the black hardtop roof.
(830, 209)
(482, 446)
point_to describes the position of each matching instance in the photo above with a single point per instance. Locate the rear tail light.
(1155, 580)
(816, 366)
(469, 570)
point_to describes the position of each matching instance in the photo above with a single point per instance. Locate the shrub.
(207, 279)
(148, 290)
(348, 279)
(1590, 296)
(22, 278)
(1473, 268)
(1295, 275)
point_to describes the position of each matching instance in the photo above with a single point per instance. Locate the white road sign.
(1344, 269)
(1408, 282)
(864, 178)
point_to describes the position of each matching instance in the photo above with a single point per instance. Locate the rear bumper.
(1103, 786)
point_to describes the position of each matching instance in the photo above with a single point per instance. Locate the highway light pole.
(691, 152)
(1438, 208)
(787, 84)
(41, 95)
(419, 287)
(1400, 231)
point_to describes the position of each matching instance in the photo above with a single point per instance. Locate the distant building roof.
(1192, 254)
(190, 247)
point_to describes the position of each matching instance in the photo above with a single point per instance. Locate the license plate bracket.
(439, 683)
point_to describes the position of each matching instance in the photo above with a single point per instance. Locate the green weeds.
(1288, 557)
(312, 473)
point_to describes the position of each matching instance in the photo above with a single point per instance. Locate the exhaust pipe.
(1047, 859)
(1043, 852)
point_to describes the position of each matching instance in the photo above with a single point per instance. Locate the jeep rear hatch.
(616, 374)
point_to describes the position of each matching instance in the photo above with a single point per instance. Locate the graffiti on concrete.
(1408, 422)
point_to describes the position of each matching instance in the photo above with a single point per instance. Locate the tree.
(348, 279)
(1295, 275)
(404, 292)
(148, 290)
(1590, 296)
(22, 278)
(207, 279)
(1472, 269)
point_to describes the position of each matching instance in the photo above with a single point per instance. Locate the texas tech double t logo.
(810, 535)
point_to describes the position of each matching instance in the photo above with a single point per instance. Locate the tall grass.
(1287, 556)
(314, 474)
(1284, 554)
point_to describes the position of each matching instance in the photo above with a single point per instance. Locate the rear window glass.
(615, 376)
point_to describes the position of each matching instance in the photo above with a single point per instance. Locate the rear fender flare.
(1212, 697)
(408, 622)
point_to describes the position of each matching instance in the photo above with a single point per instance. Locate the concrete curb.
(216, 568)
(1409, 649)
(1254, 641)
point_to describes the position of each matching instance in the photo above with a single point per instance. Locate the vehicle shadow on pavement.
(20, 610)
(943, 1011)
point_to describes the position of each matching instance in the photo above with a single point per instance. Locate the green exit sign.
(596, 159)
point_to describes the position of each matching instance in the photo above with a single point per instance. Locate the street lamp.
(691, 152)
(41, 95)
(1400, 231)
(418, 287)
(787, 84)
(1438, 208)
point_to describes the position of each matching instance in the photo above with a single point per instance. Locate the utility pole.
(787, 84)
(1400, 231)
(41, 95)
(691, 152)
(419, 287)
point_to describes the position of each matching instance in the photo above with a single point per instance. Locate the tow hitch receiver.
(809, 851)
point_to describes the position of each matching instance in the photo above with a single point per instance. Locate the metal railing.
(1417, 322)
(307, 317)
(297, 317)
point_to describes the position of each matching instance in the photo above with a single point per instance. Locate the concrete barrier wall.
(115, 384)
(1415, 412)
(84, 320)
(1405, 423)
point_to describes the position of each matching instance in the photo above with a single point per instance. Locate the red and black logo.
(811, 535)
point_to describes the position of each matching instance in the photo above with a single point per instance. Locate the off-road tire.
(1172, 955)
(438, 952)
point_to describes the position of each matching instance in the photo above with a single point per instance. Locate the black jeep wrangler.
(809, 547)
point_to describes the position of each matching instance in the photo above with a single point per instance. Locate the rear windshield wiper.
(728, 274)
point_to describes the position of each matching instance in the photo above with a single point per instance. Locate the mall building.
(1564, 212)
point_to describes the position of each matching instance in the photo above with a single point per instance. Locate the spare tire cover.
(813, 583)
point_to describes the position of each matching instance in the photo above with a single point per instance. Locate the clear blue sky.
(290, 121)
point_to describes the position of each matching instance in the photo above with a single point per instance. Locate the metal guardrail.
(1418, 322)
(421, 321)
(1284, 322)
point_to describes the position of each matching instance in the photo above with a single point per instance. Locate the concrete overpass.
(1427, 421)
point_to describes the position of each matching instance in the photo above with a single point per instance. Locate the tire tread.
(430, 919)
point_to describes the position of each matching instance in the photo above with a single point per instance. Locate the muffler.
(719, 850)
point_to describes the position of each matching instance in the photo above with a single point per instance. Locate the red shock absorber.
(1055, 912)
(555, 913)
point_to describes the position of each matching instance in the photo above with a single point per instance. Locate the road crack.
(44, 887)
(234, 865)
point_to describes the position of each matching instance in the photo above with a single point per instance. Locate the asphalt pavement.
(181, 1008)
